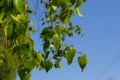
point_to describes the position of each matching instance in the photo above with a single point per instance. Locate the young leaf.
(15, 18)
(56, 41)
(78, 12)
(54, 7)
(82, 61)
(48, 65)
(70, 55)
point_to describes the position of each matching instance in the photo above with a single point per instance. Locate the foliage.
(17, 54)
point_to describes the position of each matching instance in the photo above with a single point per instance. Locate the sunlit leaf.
(16, 18)
(78, 12)
(56, 41)
(70, 55)
(54, 7)
(19, 4)
(1, 16)
(82, 61)
(58, 30)
(39, 57)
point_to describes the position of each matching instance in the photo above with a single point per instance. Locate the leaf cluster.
(17, 52)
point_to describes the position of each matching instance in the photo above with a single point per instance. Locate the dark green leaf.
(24, 49)
(30, 64)
(10, 30)
(78, 3)
(23, 73)
(46, 34)
(48, 65)
(57, 64)
(46, 45)
(82, 61)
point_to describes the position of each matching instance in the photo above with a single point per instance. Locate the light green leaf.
(78, 12)
(16, 18)
(82, 61)
(56, 41)
(1, 16)
(19, 5)
(54, 7)
(39, 56)
(58, 29)
(48, 65)
(70, 55)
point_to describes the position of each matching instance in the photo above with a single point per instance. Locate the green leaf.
(19, 4)
(78, 12)
(48, 65)
(70, 55)
(46, 34)
(78, 3)
(38, 58)
(1, 62)
(16, 18)
(30, 64)
(57, 64)
(56, 41)
(1, 16)
(82, 61)
(65, 3)
(54, 7)
(58, 29)
(46, 45)
(24, 49)
(10, 30)
(23, 73)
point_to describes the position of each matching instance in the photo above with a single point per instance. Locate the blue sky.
(101, 42)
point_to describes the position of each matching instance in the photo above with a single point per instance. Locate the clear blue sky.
(101, 42)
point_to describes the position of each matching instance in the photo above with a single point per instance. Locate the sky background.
(101, 43)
